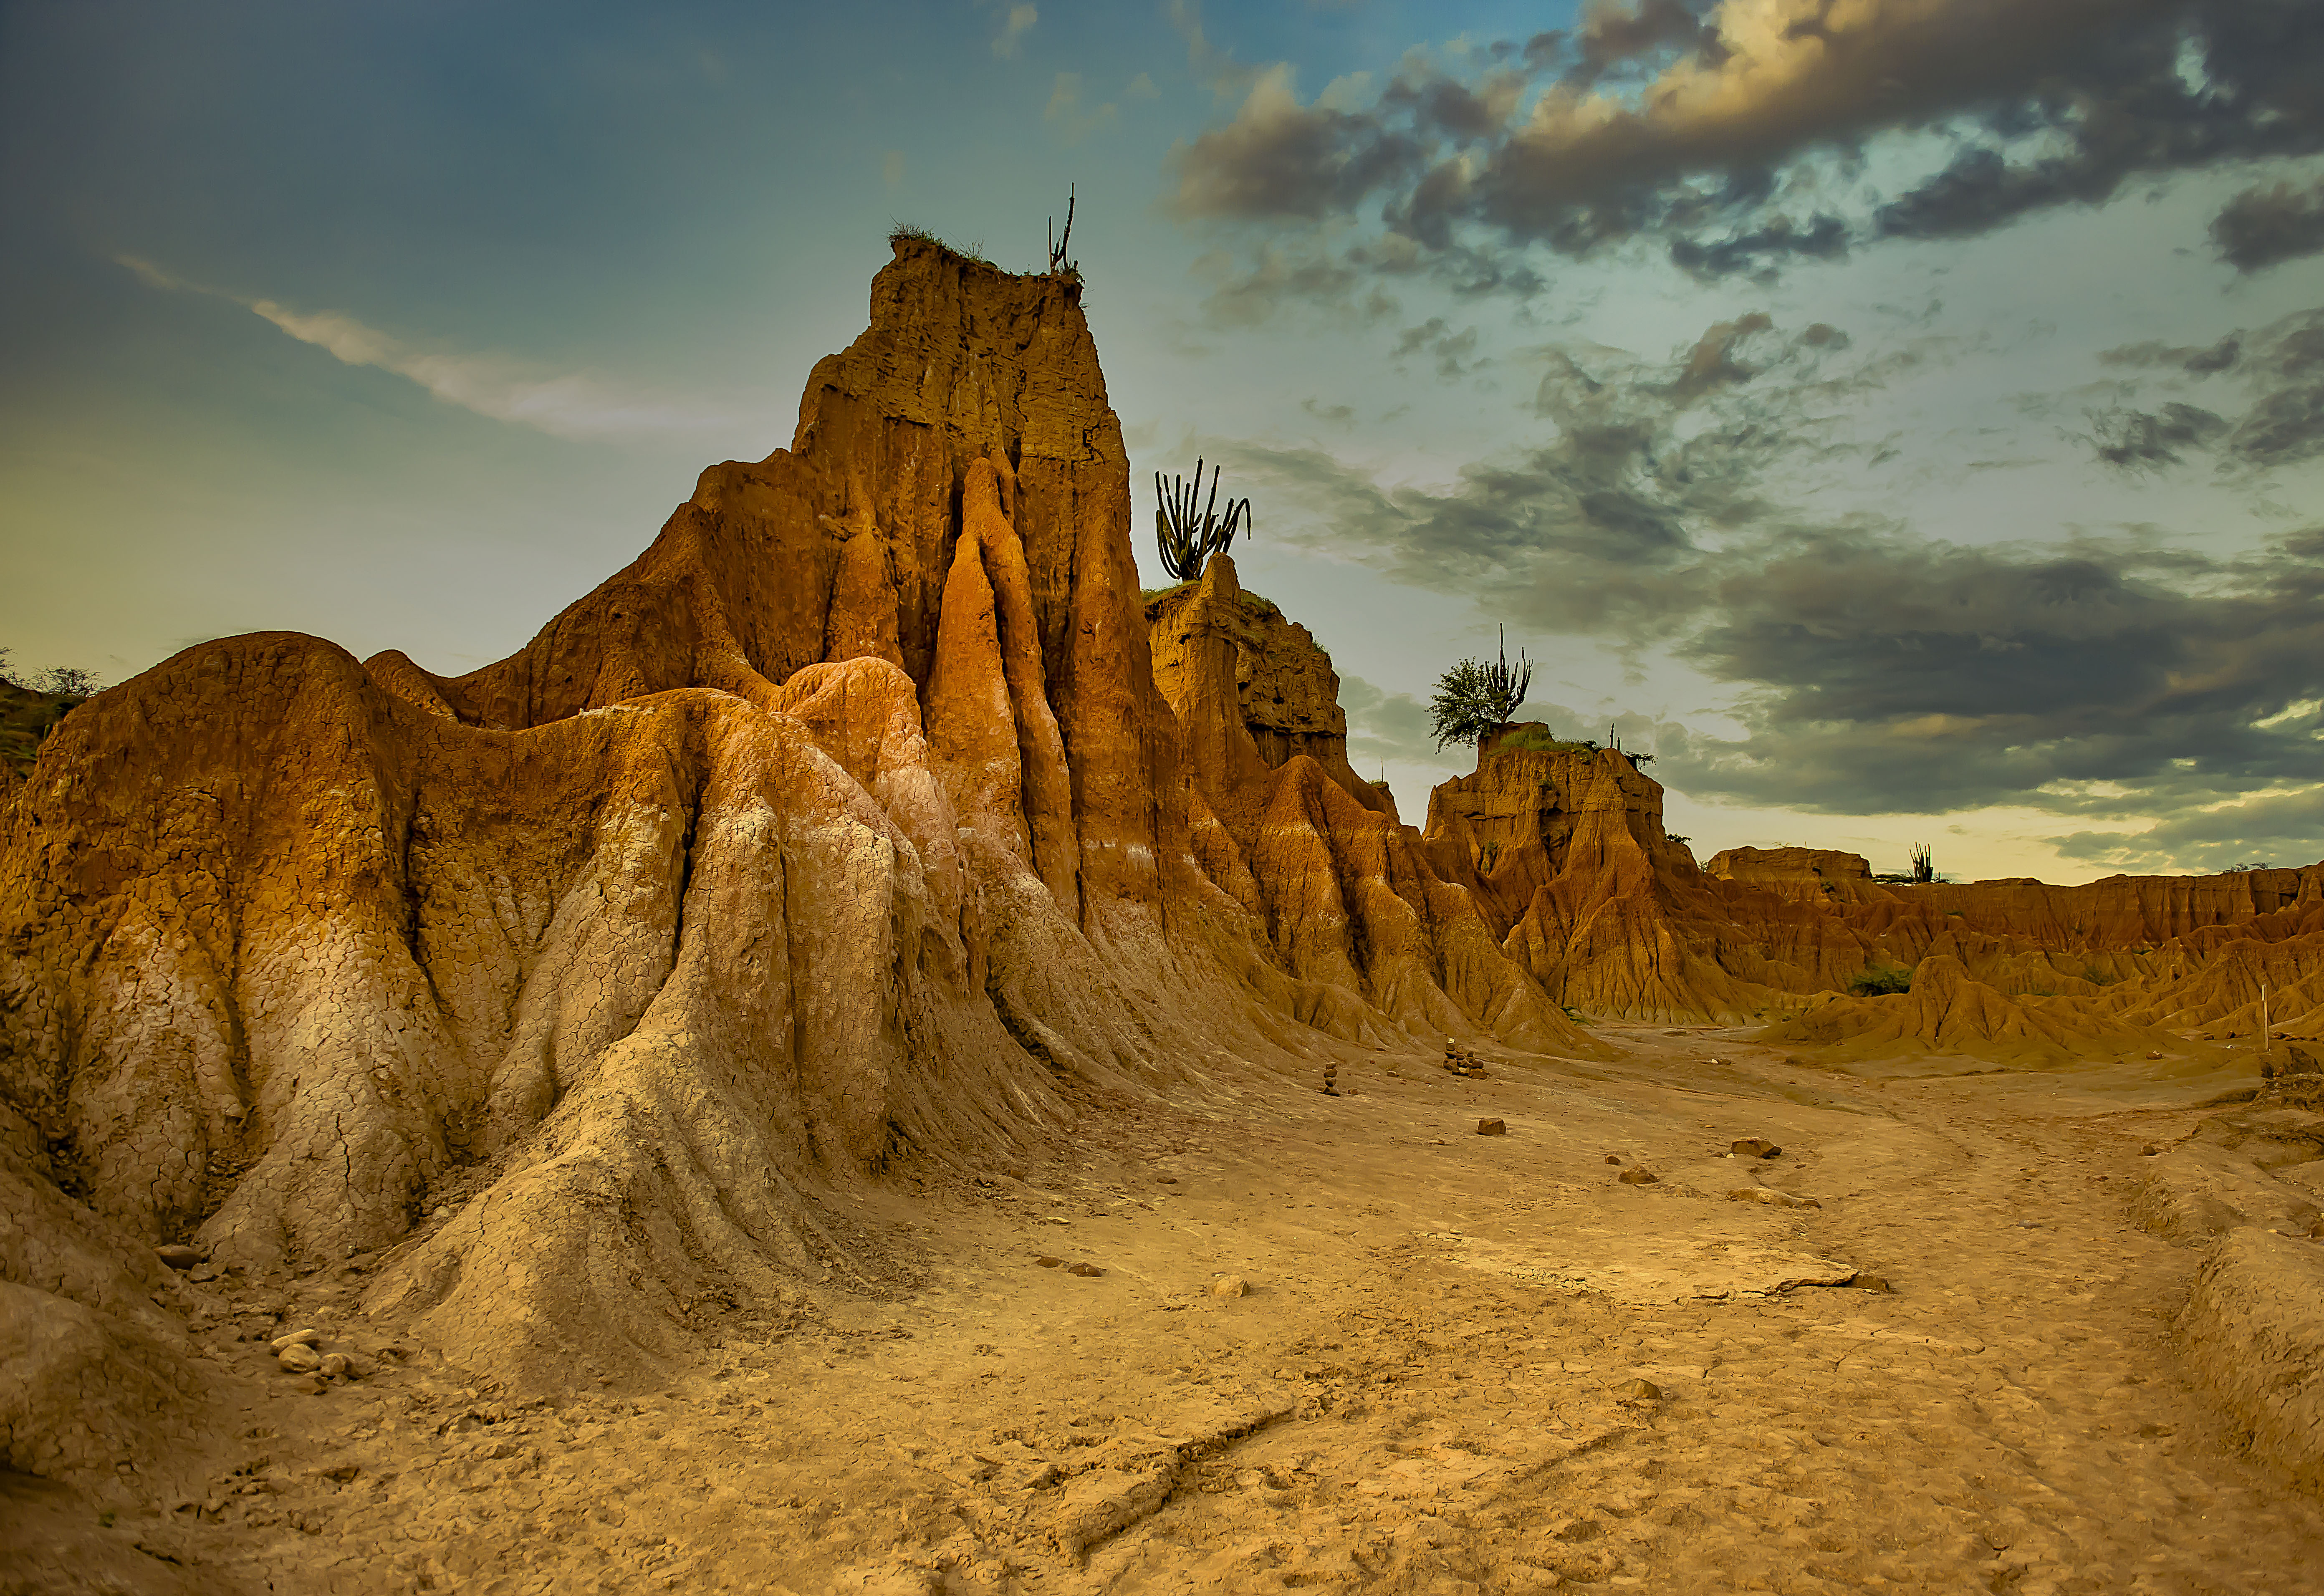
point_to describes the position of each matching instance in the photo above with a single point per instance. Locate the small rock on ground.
(1770, 1196)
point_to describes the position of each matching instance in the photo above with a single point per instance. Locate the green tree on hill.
(1474, 700)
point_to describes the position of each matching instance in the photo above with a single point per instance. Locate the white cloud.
(1010, 44)
(565, 404)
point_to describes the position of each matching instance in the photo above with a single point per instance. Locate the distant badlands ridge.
(871, 817)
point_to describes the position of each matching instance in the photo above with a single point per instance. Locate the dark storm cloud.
(1600, 528)
(2279, 828)
(2134, 439)
(1453, 353)
(1278, 158)
(2125, 107)
(1759, 251)
(1874, 671)
(2281, 367)
(2287, 422)
(1888, 674)
(2262, 227)
(1733, 133)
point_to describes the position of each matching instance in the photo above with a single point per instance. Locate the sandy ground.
(1428, 1388)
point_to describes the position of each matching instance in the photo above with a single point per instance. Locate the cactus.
(1188, 544)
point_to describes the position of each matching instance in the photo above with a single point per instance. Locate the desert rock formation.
(1284, 683)
(870, 820)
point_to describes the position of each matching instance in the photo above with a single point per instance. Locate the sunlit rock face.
(842, 825)
(870, 817)
(1344, 897)
(1285, 687)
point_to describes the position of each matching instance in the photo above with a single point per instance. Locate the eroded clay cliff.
(870, 820)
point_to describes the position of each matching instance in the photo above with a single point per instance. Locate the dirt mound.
(1948, 1010)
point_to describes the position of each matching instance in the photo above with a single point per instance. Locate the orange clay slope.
(1564, 852)
(845, 828)
(846, 831)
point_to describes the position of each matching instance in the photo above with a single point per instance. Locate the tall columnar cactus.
(1186, 543)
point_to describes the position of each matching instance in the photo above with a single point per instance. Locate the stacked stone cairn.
(1331, 1079)
(1461, 1061)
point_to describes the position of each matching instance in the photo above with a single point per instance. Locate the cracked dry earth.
(1427, 1388)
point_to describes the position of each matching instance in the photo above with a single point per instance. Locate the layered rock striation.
(870, 819)
(1342, 894)
(843, 826)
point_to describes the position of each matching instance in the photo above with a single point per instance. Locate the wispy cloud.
(1071, 119)
(565, 404)
(1010, 42)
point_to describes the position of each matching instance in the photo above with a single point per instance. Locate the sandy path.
(1425, 1392)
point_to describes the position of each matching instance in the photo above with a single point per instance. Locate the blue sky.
(1910, 427)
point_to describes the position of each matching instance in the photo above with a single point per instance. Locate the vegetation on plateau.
(1473, 700)
(1923, 871)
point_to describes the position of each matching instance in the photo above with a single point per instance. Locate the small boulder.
(299, 1358)
(1613, 1158)
(2153, 1055)
(179, 1256)
(1755, 1147)
(1167, 1179)
(1046, 1262)
(1229, 1286)
(1640, 1390)
(296, 1338)
(1634, 1175)
(1870, 1283)
(1491, 1128)
(1089, 1269)
(335, 1366)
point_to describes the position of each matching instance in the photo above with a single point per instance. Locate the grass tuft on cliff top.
(913, 232)
(1538, 740)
